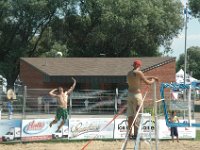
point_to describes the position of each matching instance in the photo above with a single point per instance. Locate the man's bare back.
(133, 80)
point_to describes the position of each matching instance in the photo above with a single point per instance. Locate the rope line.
(119, 113)
(128, 131)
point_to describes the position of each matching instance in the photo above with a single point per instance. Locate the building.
(91, 72)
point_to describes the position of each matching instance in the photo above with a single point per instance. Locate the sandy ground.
(103, 145)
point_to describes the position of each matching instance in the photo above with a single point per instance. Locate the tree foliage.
(193, 61)
(20, 22)
(115, 28)
(195, 8)
(122, 27)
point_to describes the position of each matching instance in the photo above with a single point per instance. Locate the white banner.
(39, 129)
(184, 132)
(148, 128)
(81, 128)
(121, 126)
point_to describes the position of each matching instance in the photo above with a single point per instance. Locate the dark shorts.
(174, 131)
(61, 113)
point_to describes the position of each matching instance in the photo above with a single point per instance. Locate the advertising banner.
(39, 129)
(148, 128)
(97, 128)
(184, 132)
(121, 126)
(147, 131)
(10, 130)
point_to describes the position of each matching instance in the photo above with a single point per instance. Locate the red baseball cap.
(137, 63)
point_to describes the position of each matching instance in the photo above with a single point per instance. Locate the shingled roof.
(93, 66)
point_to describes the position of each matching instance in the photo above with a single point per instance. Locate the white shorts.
(133, 103)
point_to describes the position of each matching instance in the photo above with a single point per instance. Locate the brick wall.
(165, 73)
(30, 75)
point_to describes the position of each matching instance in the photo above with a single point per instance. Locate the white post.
(189, 105)
(116, 100)
(150, 126)
(185, 58)
(184, 99)
(156, 116)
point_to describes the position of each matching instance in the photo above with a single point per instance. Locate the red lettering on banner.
(37, 138)
(32, 126)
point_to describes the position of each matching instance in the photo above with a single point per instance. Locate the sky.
(193, 36)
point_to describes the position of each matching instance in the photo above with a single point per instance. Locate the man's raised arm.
(73, 86)
(52, 92)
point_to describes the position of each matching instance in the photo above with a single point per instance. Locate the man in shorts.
(134, 78)
(62, 98)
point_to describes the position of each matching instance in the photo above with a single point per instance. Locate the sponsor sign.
(10, 130)
(38, 129)
(97, 128)
(148, 128)
(147, 131)
(184, 132)
(121, 127)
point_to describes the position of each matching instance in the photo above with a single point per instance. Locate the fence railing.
(37, 103)
(34, 103)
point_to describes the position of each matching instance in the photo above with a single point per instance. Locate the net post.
(156, 115)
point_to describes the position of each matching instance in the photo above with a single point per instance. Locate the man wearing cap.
(134, 78)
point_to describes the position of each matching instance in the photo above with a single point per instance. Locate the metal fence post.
(70, 107)
(156, 115)
(24, 102)
(116, 100)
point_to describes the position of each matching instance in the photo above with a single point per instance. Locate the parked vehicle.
(13, 134)
(62, 133)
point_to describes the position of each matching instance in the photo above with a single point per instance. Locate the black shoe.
(132, 137)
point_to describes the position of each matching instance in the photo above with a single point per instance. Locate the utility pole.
(185, 61)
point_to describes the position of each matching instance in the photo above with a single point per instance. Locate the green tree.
(122, 28)
(22, 24)
(195, 8)
(193, 61)
(118, 28)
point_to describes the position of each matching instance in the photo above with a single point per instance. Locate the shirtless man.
(134, 78)
(62, 98)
